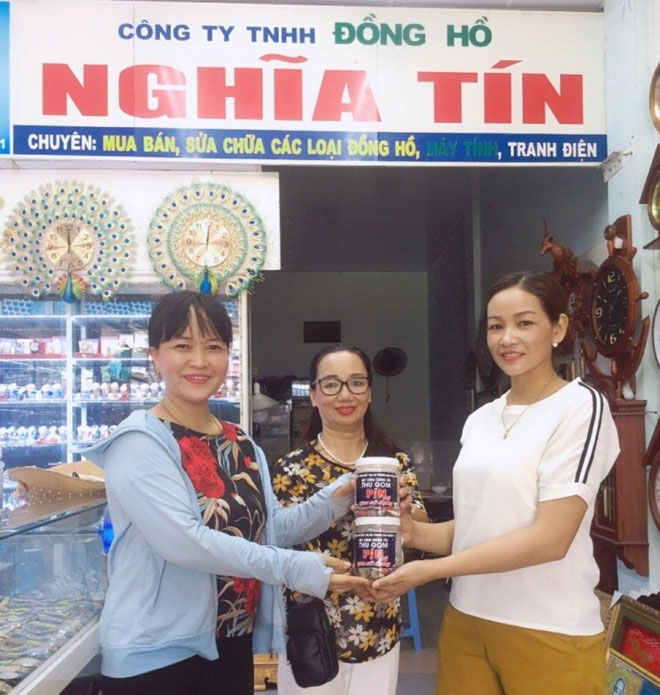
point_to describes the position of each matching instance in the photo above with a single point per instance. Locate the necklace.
(515, 422)
(336, 459)
(173, 418)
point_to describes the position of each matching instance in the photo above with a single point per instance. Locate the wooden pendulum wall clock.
(619, 527)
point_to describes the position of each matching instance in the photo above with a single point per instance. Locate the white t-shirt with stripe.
(561, 446)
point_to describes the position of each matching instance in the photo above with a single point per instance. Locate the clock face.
(207, 243)
(653, 205)
(207, 233)
(654, 489)
(654, 98)
(656, 333)
(69, 246)
(612, 308)
(67, 229)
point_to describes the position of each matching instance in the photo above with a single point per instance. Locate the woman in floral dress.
(342, 429)
(194, 572)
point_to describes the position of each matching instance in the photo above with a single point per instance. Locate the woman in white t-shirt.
(523, 616)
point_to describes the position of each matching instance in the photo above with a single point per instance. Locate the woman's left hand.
(340, 579)
(344, 490)
(343, 583)
(407, 577)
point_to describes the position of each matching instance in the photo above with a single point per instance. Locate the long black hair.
(380, 442)
(544, 286)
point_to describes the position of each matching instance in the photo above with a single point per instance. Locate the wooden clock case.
(619, 528)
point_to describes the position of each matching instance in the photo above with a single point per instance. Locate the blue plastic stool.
(411, 629)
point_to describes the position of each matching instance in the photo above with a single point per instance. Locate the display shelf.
(34, 445)
(33, 358)
(44, 401)
(99, 318)
(81, 357)
(77, 402)
(7, 318)
(78, 351)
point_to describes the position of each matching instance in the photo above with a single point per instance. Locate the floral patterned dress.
(364, 630)
(225, 474)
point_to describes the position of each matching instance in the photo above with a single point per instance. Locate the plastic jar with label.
(377, 486)
(377, 548)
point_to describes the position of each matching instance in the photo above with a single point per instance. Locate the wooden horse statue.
(576, 284)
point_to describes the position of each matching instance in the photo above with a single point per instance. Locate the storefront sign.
(268, 84)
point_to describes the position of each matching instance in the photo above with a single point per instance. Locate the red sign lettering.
(59, 82)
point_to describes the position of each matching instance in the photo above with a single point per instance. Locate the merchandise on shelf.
(33, 435)
(34, 628)
(71, 374)
(46, 392)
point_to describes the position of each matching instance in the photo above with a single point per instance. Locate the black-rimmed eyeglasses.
(331, 386)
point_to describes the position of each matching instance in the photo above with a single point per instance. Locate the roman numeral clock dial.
(616, 330)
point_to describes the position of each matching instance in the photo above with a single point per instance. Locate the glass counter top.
(42, 512)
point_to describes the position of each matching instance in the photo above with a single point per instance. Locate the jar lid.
(376, 461)
(392, 521)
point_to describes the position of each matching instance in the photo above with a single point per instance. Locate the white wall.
(632, 52)
(376, 310)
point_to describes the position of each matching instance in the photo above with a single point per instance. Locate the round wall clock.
(654, 98)
(207, 236)
(617, 332)
(653, 202)
(69, 237)
(614, 306)
(654, 489)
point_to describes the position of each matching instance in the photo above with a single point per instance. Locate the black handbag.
(311, 649)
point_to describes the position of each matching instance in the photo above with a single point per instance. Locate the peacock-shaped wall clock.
(69, 237)
(207, 237)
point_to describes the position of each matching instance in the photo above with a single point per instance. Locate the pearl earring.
(554, 343)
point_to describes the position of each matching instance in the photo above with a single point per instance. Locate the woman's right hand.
(340, 580)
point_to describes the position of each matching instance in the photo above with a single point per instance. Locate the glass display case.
(272, 430)
(33, 382)
(112, 373)
(52, 584)
(69, 373)
(301, 412)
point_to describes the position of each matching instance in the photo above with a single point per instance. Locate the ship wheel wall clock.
(69, 237)
(207, 237)
(617, 332)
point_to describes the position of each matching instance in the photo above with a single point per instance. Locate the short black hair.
(171, 316)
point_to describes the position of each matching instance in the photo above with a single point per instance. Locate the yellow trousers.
(483, 657)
